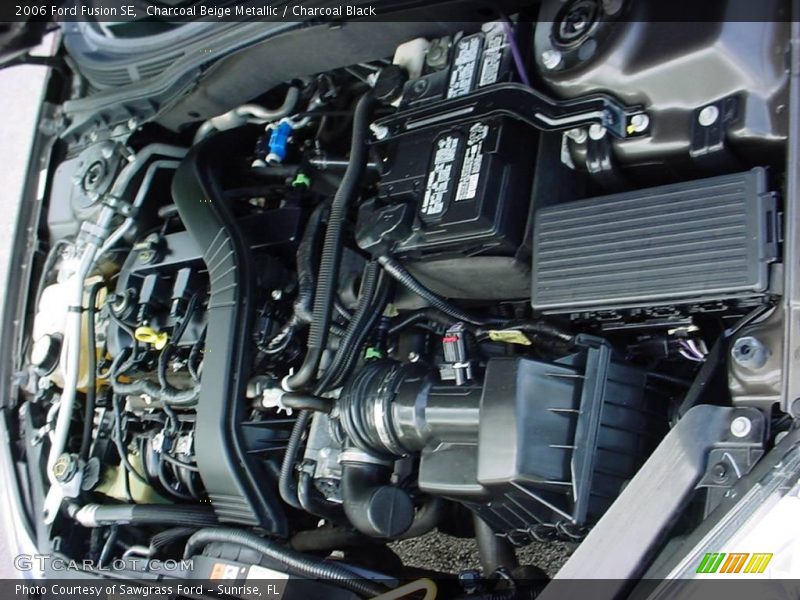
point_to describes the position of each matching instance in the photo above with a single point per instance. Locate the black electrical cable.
(332, 247)
(194, 353)
(179, 463)
(294, 562)
(91, 373)
(166, 352)
(398, 272)
(424, 315)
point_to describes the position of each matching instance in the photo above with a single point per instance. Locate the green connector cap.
(372, 353)
(302, 179)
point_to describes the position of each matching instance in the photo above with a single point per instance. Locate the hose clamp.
(354, 455)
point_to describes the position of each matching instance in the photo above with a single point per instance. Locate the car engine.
(467, 285)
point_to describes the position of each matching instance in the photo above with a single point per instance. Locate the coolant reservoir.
(48, 350)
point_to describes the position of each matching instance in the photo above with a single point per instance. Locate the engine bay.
(469, 286)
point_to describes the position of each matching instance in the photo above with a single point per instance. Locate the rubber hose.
(301, 401)
(303, 304)
(98, 515)
(494, 552)
(180, 398)
(91, 374)
(396, 270)
(313, 503)
(332, 247)
(426, 518)
(286, 483)
(294, 562)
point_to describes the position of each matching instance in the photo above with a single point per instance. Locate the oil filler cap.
(148, 335)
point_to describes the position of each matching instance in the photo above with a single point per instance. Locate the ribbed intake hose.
(332, 248)
(294, 562)
(98, 515)
(396, 270)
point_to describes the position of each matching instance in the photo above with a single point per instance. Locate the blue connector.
(278, 141)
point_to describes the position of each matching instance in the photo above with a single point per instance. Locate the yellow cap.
(148, 335)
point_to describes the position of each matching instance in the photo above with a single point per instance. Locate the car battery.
(456, 66)
(455, 190)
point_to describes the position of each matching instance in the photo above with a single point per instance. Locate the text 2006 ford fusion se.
(313, 300)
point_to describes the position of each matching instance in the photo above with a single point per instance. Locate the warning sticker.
(492, 59)
(440, 177)
(473, 160)
(465, 64)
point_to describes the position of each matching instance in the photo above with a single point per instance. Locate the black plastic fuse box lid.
(694, 242)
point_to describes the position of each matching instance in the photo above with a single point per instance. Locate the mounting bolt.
(640, 122)
(65, 468)
(708, 116)
(597, 131)
(719, 472)
(741, 426)
(551, 59)
(750, 353)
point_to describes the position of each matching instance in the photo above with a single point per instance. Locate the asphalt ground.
(449, 554)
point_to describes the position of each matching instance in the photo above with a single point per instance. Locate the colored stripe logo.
(734, 562)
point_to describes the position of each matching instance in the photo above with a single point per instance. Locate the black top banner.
(184, 11)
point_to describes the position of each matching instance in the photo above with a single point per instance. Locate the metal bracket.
(523, 103)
